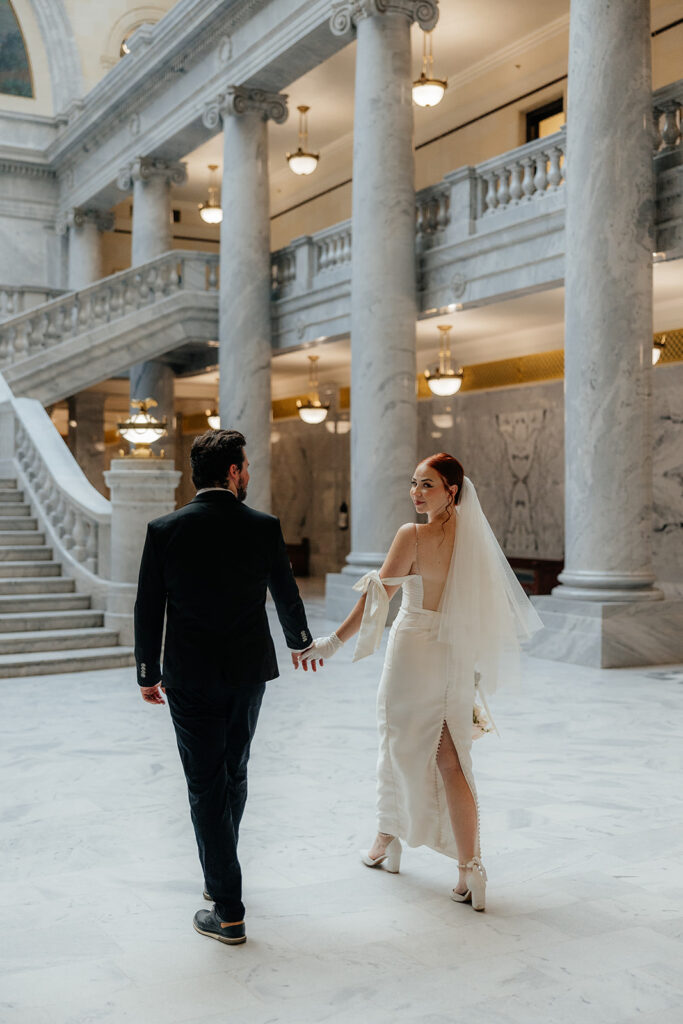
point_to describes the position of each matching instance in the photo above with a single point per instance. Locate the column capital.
(239, 99)
(144, 168)
(79, 216)
(347, 13)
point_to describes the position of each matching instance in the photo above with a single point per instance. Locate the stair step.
(7, 485)
(25, 554)
(27, 538)
(32, 621)
(11, 497)
(37, 585)
(10, 524)
(7, 511)
(13, 570)
(54, 662)
(37, 602)
(57, 640)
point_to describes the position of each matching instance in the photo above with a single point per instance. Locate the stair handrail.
(107, 300)
(76, 517)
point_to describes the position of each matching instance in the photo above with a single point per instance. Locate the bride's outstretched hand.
(322, 647)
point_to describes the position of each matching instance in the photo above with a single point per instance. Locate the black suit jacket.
(207, 566)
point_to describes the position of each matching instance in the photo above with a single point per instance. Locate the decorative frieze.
(347, 13)
(240, 100)
(144, 168)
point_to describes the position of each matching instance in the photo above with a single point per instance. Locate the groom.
(206, 567)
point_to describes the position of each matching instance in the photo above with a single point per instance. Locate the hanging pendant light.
(657, 348)
(444, 381)
(428, 90)
(141, 429)
(303, 162)
(313, 410)
(211, 211)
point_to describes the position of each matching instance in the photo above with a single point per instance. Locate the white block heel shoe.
(476, 885)
(392, 856)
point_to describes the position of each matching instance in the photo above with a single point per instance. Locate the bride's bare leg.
(461, 806)
(380, 844)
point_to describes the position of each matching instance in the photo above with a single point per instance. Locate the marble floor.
(582, 833)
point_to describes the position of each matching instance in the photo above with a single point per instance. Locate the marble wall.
(668, 477)
(310, 469)
(510, 442)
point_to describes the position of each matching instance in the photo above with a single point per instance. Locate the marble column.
(85, 228)
(151, 179)
(244, 326)
(383, 281)
(606, 610)
(86, 436)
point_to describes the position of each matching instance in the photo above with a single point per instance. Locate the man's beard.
(241, 491)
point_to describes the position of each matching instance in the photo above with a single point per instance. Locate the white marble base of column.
(583, 585)
(609, 634)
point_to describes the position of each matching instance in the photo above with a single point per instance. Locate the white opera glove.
(323, 647)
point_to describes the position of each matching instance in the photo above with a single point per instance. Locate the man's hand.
(297, 659)
(152, 694)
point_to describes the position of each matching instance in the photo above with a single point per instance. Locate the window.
(545, 120)
(15, 72)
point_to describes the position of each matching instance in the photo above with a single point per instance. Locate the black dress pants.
(214, 735)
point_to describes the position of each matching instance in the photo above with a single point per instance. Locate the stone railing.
(432, 212)
(76, 516)
(521, 175)
(667, 109)
(15, 299)
(105, 302)
(333, 247)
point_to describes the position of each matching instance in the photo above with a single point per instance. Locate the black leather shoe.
(207, 922)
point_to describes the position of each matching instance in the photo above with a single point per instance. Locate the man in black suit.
(206, 567)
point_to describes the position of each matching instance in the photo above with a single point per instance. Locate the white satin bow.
(375, 611)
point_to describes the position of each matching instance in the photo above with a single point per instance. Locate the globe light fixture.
(444, 381)
(213, 419)
(313, 410)
(428, 90)
(142, 430)
(303, 162)
(657, 348)
(211, 211)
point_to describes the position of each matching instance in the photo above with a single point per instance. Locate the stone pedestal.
(141, 490)
(86, 438)
(383, 301)
(607, 610)
(244, 324)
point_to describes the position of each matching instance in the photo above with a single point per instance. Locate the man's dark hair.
(212, 455)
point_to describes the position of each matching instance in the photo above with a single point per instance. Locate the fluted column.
(608, 319)
(244, 326)
(85, 254)
(151, 179)
(383, 279)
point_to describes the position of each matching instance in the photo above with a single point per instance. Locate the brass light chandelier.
(303, 161)
(313, 410)
(444, 380)
(427, 89)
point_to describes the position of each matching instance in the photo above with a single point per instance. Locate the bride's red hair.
(450, 471)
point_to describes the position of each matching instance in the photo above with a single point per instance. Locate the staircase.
(45, 626)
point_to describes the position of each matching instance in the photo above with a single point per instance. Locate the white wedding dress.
(431, 663)
(416, 699)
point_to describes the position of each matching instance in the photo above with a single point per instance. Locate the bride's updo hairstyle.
(450, 471)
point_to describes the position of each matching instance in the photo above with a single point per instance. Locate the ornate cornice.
(347, 13)
(240, 100)
(26, 170)
(144, 168)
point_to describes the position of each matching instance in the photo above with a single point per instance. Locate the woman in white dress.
(461, 614)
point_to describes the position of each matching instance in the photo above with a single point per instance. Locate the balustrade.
(667, 112)
(332, 247)
(21, 299)
(105, 302)
(432, 211)
(79, 516)
(522, 175)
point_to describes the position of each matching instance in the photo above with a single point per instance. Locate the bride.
(455, 638)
